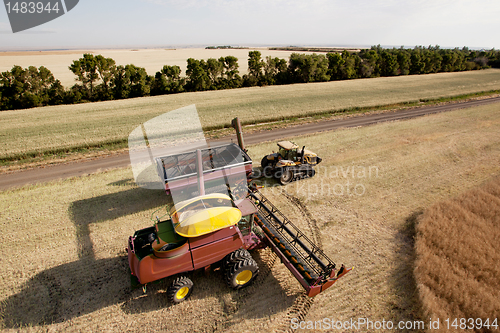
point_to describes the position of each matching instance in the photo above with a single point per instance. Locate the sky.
(177, 23)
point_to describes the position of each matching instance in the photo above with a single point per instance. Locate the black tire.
(241, 273)
(266, 168)
(180, 289)
(286, 176)
(228, 260)
(264, 162)
(311, 173)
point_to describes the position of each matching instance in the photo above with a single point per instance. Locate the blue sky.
(161, 23)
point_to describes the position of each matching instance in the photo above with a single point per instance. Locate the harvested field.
(64, 267)
(70, 126)
(458, 253)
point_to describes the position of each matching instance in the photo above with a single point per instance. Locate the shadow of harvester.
(86, 285)
(81, 287)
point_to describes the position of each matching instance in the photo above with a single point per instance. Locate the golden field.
(458, 252)
(45, 129)
(64, 266)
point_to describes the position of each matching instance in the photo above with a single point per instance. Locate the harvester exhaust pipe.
(239, 132)
(199, 172)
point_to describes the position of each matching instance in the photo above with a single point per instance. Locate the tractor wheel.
(311, 173)
(266, 168)
(286, 176)
(233, 256)
(180, 289)
(264, 162)
(241, 273)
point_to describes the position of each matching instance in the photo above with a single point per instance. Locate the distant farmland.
(458, 255)
(67, 126)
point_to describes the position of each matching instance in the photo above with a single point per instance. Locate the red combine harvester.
(219, 230)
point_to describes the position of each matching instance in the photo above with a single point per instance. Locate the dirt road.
(84, 167)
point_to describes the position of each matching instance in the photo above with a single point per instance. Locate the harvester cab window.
(245, 224)
(292, 155)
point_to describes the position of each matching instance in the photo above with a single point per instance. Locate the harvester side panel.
(214, 247)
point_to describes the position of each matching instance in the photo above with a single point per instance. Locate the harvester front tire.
(232, 257)
(180, 289)
(242, 272)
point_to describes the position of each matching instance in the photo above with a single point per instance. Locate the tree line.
(100, 79)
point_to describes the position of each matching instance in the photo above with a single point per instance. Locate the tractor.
(290, 163)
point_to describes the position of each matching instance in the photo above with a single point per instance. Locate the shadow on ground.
(408, 306)
(109, 207)
(74, 289)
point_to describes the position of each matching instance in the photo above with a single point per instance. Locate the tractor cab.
(288, 151)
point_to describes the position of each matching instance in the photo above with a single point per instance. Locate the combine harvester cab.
(207, 230)
(200, 232)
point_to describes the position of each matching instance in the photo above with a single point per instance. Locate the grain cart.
(219, 230)
(290, 163)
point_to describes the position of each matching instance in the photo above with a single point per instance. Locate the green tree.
(92, 69)
(417, 66)
(230, 77)
(214, 70)
(403, 59)
(105, 68)
(86, 70)
(130, 81)
(255, 66)
(432, 60)
(308, 68)
(168, 81)
(348, 69)
(26, 88)
(275, 71)
(197, 77)
(369, 66)
(389, 64)
(335, 65)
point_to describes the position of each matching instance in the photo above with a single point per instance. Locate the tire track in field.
(303, 303)
(311, 221)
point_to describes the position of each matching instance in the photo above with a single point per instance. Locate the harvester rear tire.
(242, 273)
(229, 259)
(180, 289)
